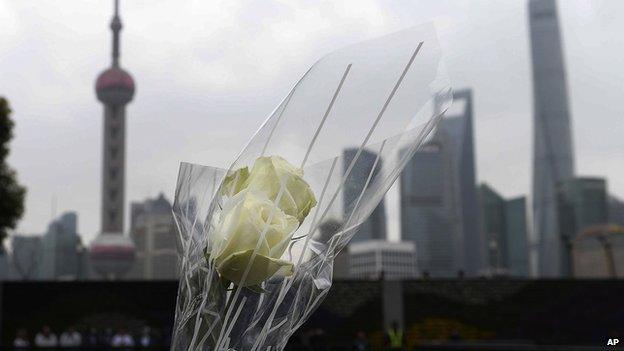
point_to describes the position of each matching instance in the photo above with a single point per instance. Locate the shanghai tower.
(553, 156)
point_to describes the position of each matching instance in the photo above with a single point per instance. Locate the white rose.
(268, 173)
(233, 183)
(244, 218)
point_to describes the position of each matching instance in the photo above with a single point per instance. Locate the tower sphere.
(114, 86)
(112, 255)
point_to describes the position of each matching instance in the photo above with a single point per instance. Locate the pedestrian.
(21, 340)
(395, 337)
(46, 338)
(70, 338)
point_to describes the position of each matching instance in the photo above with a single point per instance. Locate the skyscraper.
(553, 156)
(428, 213)
(26, 256)
(5, 265)
(494, 229)
(582, 203)
(112, 252)
(616, 210)
(504, 225)
(517, 236)
(60, 249)
(375, 226)
(439, 207)
(154, 234)
(459, 127)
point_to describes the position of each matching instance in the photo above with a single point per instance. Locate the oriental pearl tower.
(112, 253)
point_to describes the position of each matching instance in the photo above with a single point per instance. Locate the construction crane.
(602, 233)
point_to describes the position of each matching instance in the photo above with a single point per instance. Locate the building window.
(112, 193)
(114, 131)
(113, 152)
(112, 173)
(112, 215)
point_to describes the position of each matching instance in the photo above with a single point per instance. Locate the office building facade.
(26, 256)
(380, 259)
(516, 223)
(61, 250)
(153, 232)
(616, 210)
(504, 226)
(582, 203)
(494, 230)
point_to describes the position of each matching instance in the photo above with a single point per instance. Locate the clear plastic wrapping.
(328, 153)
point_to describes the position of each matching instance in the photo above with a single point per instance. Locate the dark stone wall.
(546, 312)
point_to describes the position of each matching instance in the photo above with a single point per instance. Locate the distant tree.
(11, 193)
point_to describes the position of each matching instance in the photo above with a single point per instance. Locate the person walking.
(395, 337)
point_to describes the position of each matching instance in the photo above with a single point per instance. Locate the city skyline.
(209, 90)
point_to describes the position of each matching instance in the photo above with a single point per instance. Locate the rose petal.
(262, 268)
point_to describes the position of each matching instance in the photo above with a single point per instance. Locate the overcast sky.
(209, 72)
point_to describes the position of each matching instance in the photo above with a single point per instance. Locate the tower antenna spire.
(116, 28)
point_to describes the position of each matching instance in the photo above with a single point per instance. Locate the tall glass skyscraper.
(375, 226)
(460, 128)
(439, 207)
(517, 239)
(429, 214)
(553, 156)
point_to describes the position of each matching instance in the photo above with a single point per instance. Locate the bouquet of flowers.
(258, 240)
